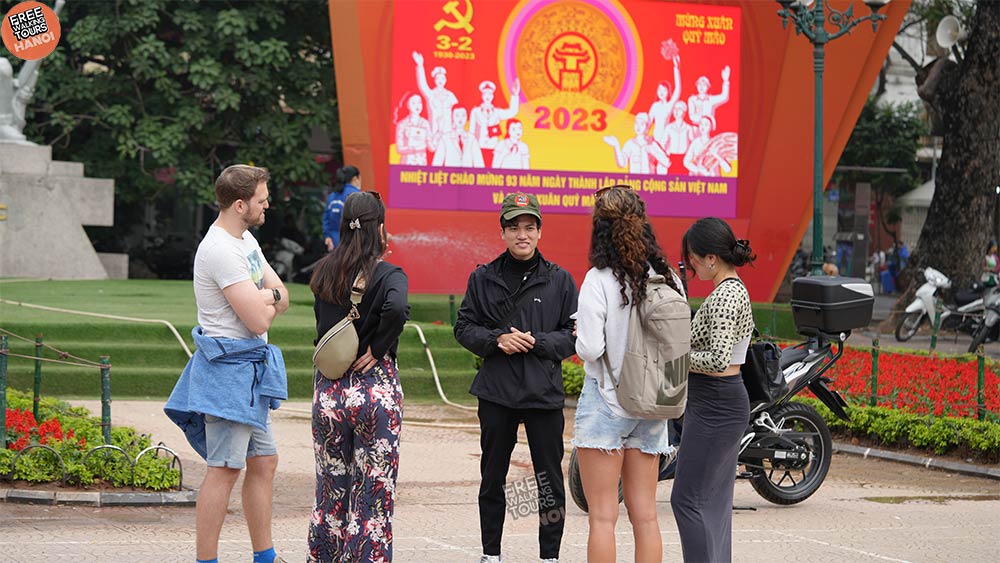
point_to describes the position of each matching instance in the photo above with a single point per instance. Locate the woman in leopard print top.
(718, 408)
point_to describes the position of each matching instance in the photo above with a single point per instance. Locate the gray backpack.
(654, 374)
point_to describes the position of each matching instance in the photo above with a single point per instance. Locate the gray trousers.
(715, 419)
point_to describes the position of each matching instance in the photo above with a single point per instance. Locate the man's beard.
(251, 221)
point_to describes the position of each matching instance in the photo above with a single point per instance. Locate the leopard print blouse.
(724, 319)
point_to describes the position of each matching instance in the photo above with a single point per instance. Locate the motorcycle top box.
(831, 305)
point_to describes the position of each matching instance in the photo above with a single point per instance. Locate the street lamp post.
(810, 18)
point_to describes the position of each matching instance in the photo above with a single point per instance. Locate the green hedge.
(941, 435)
(572, 374)
(39, 465)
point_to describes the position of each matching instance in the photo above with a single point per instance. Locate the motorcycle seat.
(966, 297)
(790, 356)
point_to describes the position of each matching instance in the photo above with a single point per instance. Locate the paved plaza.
(867, 510)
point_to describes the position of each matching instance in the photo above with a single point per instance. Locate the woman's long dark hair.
(712, 235)
(622, 239)
(344, 176)
(359, 250)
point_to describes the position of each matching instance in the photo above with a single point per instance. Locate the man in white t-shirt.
(238, 296)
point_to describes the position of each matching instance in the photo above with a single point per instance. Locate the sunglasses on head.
(600, 193)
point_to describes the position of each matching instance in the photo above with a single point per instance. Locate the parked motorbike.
(787, 447)
(990, 321)
(964, 314)
(283, 260)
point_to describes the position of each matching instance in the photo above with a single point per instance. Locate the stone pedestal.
(47, 204)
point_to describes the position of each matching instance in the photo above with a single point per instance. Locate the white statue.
(15, 93)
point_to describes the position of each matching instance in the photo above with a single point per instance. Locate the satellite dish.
(949, 32)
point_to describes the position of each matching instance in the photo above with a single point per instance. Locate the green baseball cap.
(519, 204)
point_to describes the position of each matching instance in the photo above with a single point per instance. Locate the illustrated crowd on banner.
(674, 136)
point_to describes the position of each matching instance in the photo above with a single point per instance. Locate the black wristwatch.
(277, 294)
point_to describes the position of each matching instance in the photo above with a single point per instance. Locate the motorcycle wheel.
(979, 337)
(576, 484)
(791, 482)
(908, 326)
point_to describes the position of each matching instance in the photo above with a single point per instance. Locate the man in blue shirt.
(348, 181)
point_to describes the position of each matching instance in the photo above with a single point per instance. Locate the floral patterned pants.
(355, 424)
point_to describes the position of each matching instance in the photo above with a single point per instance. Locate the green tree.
(160, 95)
(964, 99)
(886, 136)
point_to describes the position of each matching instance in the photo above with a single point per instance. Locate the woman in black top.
(356, 418)
(717, 405)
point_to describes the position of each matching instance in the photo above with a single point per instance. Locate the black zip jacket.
(531, 380)
(384, 309)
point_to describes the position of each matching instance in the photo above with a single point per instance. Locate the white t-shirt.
(602, 327)
(221, 261)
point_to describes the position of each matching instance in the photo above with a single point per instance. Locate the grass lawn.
(147, 358)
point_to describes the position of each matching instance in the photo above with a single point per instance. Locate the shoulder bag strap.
(607, 360)
(357, 292)
(522, 298)
(358, 289)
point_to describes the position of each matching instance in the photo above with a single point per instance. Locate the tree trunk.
(961, 216)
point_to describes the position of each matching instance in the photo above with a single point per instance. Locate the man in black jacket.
(516, 316)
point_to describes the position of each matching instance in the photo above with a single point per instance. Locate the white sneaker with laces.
(491, 559)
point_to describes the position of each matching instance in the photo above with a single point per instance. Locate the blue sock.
(216, 560)
(266, 556)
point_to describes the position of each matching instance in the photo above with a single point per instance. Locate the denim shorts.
(597, 427)
(230, 443)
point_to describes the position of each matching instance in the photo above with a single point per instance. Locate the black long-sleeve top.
(384, 309)
(531, 380)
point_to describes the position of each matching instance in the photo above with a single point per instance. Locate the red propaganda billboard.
(560, 97)
(704, 107)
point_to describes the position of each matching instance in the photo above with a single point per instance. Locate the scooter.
(990, 321)
(787, 447)
(964, 315)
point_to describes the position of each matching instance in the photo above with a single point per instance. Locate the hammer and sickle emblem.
(461, 21)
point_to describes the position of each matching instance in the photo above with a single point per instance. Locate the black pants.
(702, 495)
(545, 440)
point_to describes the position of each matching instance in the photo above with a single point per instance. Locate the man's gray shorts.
(229, 443)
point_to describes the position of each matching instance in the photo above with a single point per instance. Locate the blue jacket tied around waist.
(235, 379)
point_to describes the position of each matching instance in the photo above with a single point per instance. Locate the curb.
(926, 462)
(95, 499)
(188, 497)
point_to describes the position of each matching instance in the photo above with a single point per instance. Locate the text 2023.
(579, 119)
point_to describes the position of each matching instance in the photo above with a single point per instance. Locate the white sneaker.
(491, 559)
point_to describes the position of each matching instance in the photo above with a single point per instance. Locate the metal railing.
(65, 358)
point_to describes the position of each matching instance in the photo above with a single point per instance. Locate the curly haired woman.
(611, 444)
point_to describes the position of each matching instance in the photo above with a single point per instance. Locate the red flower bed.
(917, 383)
(21, 426)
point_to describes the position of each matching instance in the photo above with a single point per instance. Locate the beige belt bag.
(338, 348)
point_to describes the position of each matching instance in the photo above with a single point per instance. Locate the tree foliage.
(886, 136)
(162, 94)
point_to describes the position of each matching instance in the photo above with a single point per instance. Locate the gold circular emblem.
(571, 46)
